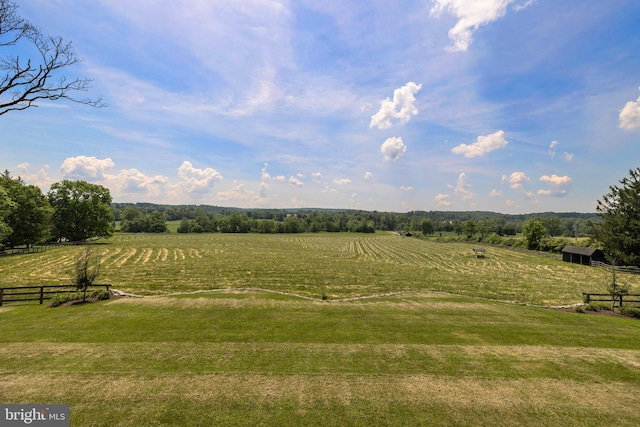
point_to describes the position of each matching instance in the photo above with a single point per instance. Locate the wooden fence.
(628, 298)
(28, 250)
(618, 268)
(38, 293)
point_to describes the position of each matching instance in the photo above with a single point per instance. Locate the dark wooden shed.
(581, 255)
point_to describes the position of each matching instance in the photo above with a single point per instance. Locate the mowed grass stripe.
(593, 365)
(332, 399)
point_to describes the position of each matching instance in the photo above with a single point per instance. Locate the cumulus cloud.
(442, 199)
(393, 148)
(86, 168)
(559, 185)
(343, 181)
(368, 175)
(197, 180)
(295, 182)
(463, 187)
(134, 181)
(401, 107)
(265, 174)
(495, 193)
(237, 193)
(406, 188)
(516, 180)
(471, 15)
(630, 115)
(482, 146)
(316, 177)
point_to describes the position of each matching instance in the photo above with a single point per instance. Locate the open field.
(225, 355)
(340, 265)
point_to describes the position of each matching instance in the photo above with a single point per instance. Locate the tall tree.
(6, 207)
(533, 232)
(81, 210)
(619, 231)
(39, 76)
(29, 216)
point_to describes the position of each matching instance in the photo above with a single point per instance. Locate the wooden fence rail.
(629, 298)
(618, 268)
(41, 293)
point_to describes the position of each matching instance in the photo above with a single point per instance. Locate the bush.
(578, 309)
(101, 294)
(597, 306)
(59, 299)
(630, 311)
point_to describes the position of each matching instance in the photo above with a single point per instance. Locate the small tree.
(616, 290)
(87, 270)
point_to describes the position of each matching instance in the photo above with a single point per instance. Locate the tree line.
(71, 211)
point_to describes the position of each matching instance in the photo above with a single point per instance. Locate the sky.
(511, 106)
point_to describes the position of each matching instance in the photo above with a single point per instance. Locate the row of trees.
(315, 222)
(71, 210)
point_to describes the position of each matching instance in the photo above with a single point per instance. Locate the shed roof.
(580, 250)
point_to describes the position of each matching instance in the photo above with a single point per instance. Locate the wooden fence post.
(1, 295)
(41, 294)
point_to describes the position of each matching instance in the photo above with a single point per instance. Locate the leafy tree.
(469, 228)
(185, 226)
(27, 213)
(619, 231)
(426, 226)
(6, 207)
(27, 79)
(81, 210)
(533, 232)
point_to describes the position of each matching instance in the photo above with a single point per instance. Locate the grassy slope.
(249, 358)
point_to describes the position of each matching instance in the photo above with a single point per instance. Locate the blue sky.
(502, 105)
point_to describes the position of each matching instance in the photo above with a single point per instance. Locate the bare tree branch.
(23, 82)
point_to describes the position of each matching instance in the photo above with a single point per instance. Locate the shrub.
(101, 294)
(598, 305)
(630, 311)
(59, 299)
(578, 309)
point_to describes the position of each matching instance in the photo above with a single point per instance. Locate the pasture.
(233, 331)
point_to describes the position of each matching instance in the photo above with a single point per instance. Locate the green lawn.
(229, 356)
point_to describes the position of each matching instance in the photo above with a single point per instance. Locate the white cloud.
(495, 193)
(265, 174)
(442, 199)
(406, 188)
(368, 175)
(129, 181)
(552, 149)
(354, 198)
(471, 15)
(316, 177)
(197, 180)
(463, 187)
(404, 98)
(393, 148)
(559, 185)
(343, 181)
(516, 180)
(295, 182)
(630, 115)
(482, 146)
(83, 167)
(567, 156)
(237, 194)
(279, 178)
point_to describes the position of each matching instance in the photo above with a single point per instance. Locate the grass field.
(231, 356)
